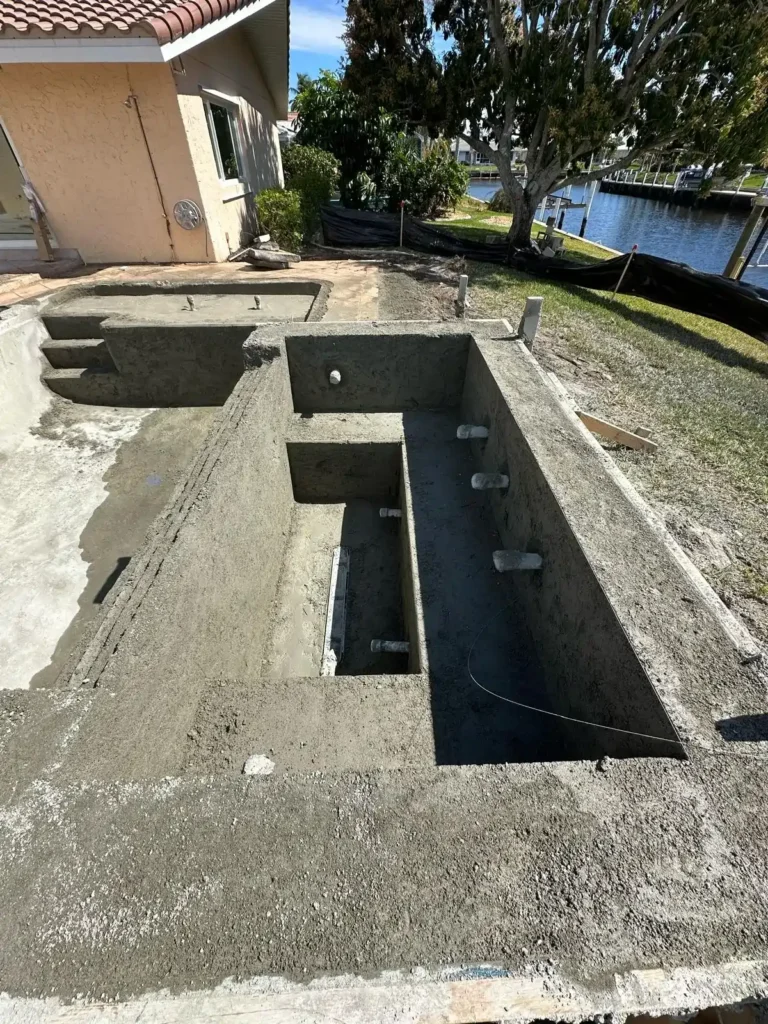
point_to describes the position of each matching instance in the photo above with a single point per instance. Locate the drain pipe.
(467, 431)
(490, 481)
(133, 101)
(508, 561)
(390, 647)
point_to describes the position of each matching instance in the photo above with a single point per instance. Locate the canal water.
(703, 238)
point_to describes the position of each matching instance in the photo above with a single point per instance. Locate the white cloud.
(317, 29)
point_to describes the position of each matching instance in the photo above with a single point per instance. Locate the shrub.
(359, 193)
(336, 120)
(429, 185)
(500, 203)
(281, 214)
(312, 173)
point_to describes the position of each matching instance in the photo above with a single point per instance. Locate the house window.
(222, 124)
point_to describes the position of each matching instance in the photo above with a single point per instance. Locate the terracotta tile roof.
(165, 19)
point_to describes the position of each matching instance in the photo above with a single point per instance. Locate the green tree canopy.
(303, 81)
(567, 79)
(361, 136)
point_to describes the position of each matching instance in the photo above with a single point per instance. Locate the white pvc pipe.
(529, 322)
(334, 377)
(489, 481)
(467, 431)
(390, 646)
(506, 561)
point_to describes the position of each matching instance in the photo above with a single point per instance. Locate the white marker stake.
(529, 322)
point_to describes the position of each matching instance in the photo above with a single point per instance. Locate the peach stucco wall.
(226, 64)
(83, 149)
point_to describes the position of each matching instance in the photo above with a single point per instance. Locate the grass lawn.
(477, 222)
(702, 388)
(755, 180)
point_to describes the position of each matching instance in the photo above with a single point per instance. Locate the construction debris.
(269, 258)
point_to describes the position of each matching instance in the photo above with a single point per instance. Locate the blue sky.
(316, 27)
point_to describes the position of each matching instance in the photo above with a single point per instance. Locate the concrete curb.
(462, 995)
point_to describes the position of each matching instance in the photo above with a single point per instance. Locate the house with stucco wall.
(145, 128)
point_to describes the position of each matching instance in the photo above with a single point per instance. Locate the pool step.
(91, 385)
(66, 326)
(74, 353)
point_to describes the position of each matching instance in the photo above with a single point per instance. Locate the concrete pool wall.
(82, 480)
(211, 602)
(412, 822)
(159, 343)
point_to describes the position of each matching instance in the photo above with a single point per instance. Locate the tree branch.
(639, 34)
(629, 90)
(654, 31)
(589, 64)
(499, 40)
(479, 144)
(603, 172)
(539, 132)
(524, 20)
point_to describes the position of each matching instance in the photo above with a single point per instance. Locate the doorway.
(15, 223)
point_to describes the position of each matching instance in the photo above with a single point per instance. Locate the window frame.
(232, 108)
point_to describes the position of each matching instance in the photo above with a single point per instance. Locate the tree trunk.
(523, 212)
(523, 202)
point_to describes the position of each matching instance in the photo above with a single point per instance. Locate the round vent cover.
(187, 214)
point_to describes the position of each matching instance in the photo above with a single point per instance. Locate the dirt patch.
(419, 288)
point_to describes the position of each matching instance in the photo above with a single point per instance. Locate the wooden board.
(617, 434)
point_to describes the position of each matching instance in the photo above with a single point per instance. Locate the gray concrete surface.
(590, 669)
(135, 857)
(215, 299)
(326, 470)
(209, 307)
(140, 482)
(410, 372)
(81, 486)
(374, 598)
(157, 349)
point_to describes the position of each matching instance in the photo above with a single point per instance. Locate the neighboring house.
(465, 154)
(115, 111)
(286, 128)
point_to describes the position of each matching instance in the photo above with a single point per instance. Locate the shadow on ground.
(744, 728)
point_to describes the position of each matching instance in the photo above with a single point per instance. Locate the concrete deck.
(353, 297)
(105, 472)
(134, 857)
